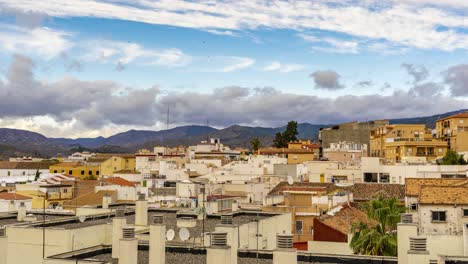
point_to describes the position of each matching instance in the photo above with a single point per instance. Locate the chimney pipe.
(12, 206)
(118, 223)
(157, 240)
(219, 252)
(21, 212)
(284, 252)
(3, 246)
(141, 211)
(232, 234)
(128, 246)
(106, 201)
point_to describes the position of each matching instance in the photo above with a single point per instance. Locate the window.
(97, 172)
(65, 190)
(9, 173)
(90, 172)
(55, 171)
(465, 212)
(24, 173)
(414, 206)
(439, 216)
(299, 227)
(70, 172)
(312, 230)
(82, 172)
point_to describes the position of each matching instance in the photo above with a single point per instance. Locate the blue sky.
(233, 62)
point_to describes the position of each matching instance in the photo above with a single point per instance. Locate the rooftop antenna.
(167, 119)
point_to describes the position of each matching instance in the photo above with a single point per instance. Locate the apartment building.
(349, 153)
(454, 130)
(297, 152)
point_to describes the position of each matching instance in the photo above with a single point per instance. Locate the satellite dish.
(82, 218)
(290, 180)
(170, 234)
(184, 234)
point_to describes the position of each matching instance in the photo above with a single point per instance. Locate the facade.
(357, 132)
(9, 202)
(454, 130)
(117, 163)
(415, 151)
(11, 172)
(297, 152)
(349, 153)
(380, 136)
(77, 169)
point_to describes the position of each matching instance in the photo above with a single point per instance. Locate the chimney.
(11, 206)
(3, 246)
(118, 223)
(219, 252)
(232, 235)
(106, 201)
(21, 212)
(128, 246)
(157, 240)
(141, 211)
(284, 252)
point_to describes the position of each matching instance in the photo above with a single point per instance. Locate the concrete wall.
(321, 247)
(453, 225)
(5, 205)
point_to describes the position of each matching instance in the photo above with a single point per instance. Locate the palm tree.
(378, 237)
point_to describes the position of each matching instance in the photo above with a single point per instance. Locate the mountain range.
(15, 142)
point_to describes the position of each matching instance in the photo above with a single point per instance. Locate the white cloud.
(123, 53)
(332, 45)
(237, 63)
(284, 68)
(414, 23)
(40, 41)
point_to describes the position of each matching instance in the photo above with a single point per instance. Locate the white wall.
(5, 204)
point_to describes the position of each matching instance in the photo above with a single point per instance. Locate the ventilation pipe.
(128, 246)
(232, 236)
(3, 246)
(157, 240)
(284, 252)
(21, 212)
(118, 223)
(219, 252)
(141, 211)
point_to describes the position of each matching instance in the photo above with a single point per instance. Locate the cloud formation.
(425, 24)
(329, 80)
(283, 68)
(419, 73)
(457, 79)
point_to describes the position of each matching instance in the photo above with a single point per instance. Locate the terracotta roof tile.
(13, 196)
(449, 195)
(119, 181)
(369, 191)
(344, 219)
(91, 198)
(24, 165)
(413, 185)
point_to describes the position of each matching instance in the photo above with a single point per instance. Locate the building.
(297, 152)
(414, 151)
(9, 202)
(349, 153)
(79, 156)
(382, 135)
(357, 132)
(110, 163)
(50, 195)
(454, 130)
(11, 172)
(77, 169)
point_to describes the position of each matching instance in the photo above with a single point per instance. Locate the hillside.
(15, 142)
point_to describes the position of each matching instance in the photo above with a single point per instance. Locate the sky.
(88, 68)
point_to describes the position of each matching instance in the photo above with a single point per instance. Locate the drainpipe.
(157, 240)
(141, 211)
(219, 252)
(118, 223)
(284, 252)
(128, 246)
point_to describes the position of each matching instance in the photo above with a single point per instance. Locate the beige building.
(414, 151)
(380, 136)
(347, 152)
(454, 130)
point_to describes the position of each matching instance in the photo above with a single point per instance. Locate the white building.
(9, 202)
(12, 172)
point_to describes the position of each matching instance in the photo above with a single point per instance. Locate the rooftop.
(344, 219)
(369, 191)
(24, 165)
(451, 195)
(303, 186)
(459, 115)
(119, 181)
(13, 196)
(413, 185)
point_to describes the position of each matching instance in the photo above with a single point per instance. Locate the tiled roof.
(344, 219)
(413, 185)
(369, 191)
(459, 115)
(91, 198)
(285, 151)
(444, 195)
(302, 186)
(127, 172)
(24, 165)
(13, 196)
(119, 181)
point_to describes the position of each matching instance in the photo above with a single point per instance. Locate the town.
(364, 192)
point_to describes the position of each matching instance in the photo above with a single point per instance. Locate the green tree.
(379, 236)
(255, 144)
(452, 158)
(279, 142)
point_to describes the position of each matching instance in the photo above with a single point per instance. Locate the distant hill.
(15, 142)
